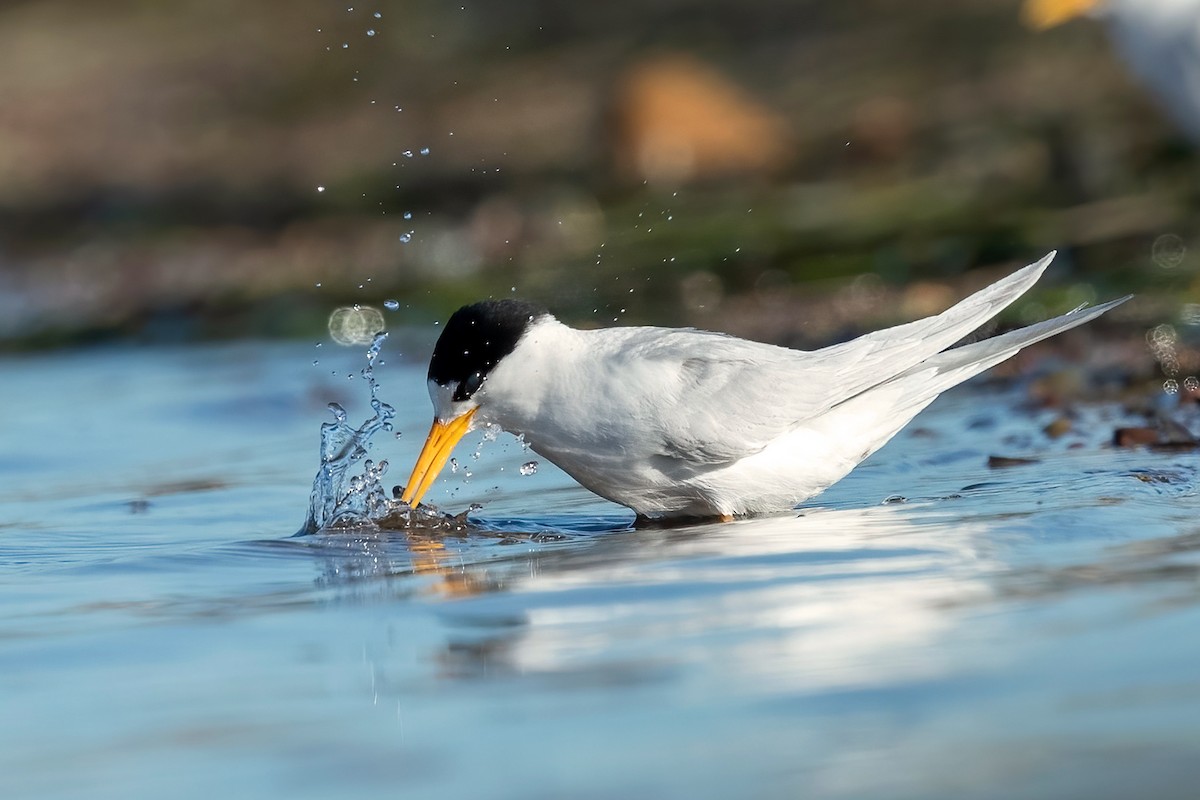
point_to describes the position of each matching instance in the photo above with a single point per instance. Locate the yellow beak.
(1043, 14)
(441, 440)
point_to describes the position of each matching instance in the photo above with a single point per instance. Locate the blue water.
(1031, 631)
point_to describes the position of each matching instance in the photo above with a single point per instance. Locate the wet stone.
(1003, 462)
(1058, 428)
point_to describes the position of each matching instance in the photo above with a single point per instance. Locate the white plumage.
(1159, 40)
(688, 423)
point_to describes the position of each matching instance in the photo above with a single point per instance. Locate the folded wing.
(780, 389)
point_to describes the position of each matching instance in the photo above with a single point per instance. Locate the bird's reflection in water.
(382, 563)
(827, 597)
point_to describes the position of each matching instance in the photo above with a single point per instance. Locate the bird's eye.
(469, 386)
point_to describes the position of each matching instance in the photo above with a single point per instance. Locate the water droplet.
(338, 412)
(406, 237)
(1171, 386)
(370, 31)
(320, 188)
(315, 362)
(377, 15)
(346, 46)
(529, 468)
(408, 215)
(1191, 383)
(454, 465)
(391, 305)
(425, 150)
(407, 154)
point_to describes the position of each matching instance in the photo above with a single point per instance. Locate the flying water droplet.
(391, 305)
(406, 237)
(408, 215)
(529, 468)
(370, 32)
(407, 154)
(454, 465)
(424, 151)
(338, 412)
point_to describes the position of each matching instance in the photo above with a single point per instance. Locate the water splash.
(342, 498)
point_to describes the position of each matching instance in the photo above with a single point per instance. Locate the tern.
(1159, 39)
(683, 423)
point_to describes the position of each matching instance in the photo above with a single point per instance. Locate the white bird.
(686, 423)
(1159, 39)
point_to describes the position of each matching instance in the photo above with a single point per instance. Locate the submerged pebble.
(1002, 462)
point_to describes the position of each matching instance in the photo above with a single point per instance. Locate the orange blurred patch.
(678, 120)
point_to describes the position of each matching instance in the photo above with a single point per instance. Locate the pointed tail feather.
(920, 385)
(889, 353)
(879, 413)
(938, 332)
(978, 356)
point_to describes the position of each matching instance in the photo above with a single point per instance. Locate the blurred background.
(791, 171)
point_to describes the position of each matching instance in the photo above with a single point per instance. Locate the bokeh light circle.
(354, 325)
(1168, 251)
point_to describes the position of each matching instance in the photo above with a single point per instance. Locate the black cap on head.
(474, 340)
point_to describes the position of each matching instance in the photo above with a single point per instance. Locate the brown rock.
(1001, 462)
(1135, 437)
(1058, 428)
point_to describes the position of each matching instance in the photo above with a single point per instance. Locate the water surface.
(928, 628)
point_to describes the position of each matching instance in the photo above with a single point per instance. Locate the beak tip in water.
(443, 436)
